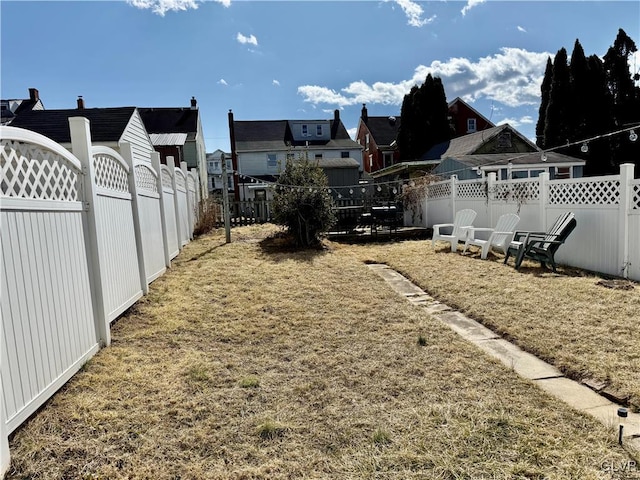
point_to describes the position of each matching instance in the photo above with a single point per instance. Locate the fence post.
(127, 154)
(155, 161)
(172, 166)
(543, 187)
(626, 175)
(491, 185)
(185, 170)
(454, 194)
(81, 147)
(196, 196)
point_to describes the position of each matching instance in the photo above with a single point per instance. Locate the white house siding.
(137, 136)
(255, 163)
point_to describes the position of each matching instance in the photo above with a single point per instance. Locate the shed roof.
(107, 124)
(338, 163)
(168, 138)
(170, 120)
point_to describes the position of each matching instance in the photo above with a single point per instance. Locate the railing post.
(172, 166)
(155, 161)
(454, 194)
(626, 175)
(81, 147)
(127, 154)
(491, 186)
(543, 186)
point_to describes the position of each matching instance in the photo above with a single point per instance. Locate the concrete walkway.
(544, 375)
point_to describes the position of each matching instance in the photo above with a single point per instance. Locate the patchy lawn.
(249, 361)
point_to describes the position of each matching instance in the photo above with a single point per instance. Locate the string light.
(584, 148)
(543, 157)
(633, 136)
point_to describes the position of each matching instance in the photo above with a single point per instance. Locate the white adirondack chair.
(499, 237)
(462, 221)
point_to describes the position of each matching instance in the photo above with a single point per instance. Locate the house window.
(370, 163)
(319, 130)
(504, 140)
(535, 173)
(216, 165)
(344, 154)
(305, 130)
(318, 156)
(290, 157)
(387, 158)
(563, 172)
(272, 160)
(471, 125)
(366, 141)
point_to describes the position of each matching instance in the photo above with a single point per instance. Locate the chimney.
(336, 115)
(194, 103)
(34, 94)
(364, 114)
(80, 102)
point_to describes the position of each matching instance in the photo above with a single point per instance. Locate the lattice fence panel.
(439, 190)
(145, 179)
(635, 196)
(166, 179)
(472, 190)
(180, 182)
(605, 192)
(30, 171)
(521, 191)
(110, 173)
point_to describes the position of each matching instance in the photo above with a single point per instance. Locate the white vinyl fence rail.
(82, 236)
(607, 236)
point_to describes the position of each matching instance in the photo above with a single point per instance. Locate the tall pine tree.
(545, 91)
(556, 131)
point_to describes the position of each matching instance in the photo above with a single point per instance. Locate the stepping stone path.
(546, 376)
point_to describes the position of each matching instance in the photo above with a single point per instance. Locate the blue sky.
(297, 59)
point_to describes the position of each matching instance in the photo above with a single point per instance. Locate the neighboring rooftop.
(171, 120)
(384, 129)
(107, 124)
(13, 107)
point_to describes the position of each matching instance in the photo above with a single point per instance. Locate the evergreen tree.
(424, 119)
(545, 91)
(556, 131)
(302, 203)
(578, 98)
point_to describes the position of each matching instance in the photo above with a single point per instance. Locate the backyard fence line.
(82, 234)
(607, 208)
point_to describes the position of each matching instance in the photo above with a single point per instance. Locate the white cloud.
(470, 4)
(276, 83)
(222, 81)
(352, 132)
(414, 12)
(224, 3)
(515, 122)
(163, 6)
(251, 39)
(511, 77)
(521, 29)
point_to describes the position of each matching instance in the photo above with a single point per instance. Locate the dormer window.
(471, 125)
(319, 130)
(305, 130)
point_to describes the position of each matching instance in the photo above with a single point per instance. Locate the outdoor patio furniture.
(541, 246)
(499, 237)
(463, 219)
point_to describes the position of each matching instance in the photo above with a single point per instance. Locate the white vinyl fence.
(82, 236)
(607, 209)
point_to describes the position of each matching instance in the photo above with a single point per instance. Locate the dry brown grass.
(585, 329)
(249, 361)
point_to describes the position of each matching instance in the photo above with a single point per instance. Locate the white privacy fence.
(82, 235)
(607, 236)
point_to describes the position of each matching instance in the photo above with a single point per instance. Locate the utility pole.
(225, 199)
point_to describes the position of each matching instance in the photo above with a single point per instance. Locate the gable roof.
(459, 100)
(270, 135)
(384, 130)
(107, 124)
(469, 144)
(170, 120)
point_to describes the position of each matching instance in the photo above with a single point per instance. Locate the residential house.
(214, 171)
(178, 132)
(464, 119)
(260, 149)
(378, 135)
(109, 127)
(499, 149)
(11, 108)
